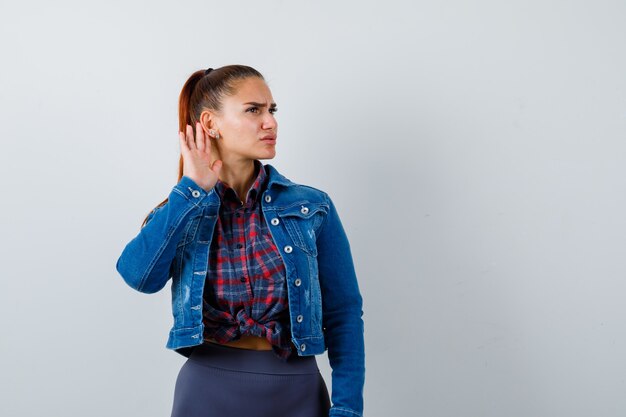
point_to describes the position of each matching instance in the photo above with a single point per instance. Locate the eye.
(253, 108)
(273, 110)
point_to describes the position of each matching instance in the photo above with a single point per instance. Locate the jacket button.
(299, 318)
(298, 281)
(303, 347)
(195, 193)
(275, 221)
(268, 198)
(304, 210)
(288, 249)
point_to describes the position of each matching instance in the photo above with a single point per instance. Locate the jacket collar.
(276, 177)
(230, 197)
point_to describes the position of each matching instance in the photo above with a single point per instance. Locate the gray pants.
(224, 381)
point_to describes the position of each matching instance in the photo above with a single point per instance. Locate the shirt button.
(237, 215)
(304, 210)
(298, 282)
(288, 249)
(299, 318)
(303, 347)
(268, 198)
(239, 245)
(195, 193)
(275, 221)
(243, 279)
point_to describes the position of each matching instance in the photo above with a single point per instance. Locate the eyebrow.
(259, 104)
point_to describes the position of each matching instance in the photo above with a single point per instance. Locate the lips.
(269, 137)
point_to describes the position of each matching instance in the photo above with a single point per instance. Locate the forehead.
(251, 89)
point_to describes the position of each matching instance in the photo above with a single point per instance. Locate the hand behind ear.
(197, 157)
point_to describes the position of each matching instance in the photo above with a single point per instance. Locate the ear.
(207, 120)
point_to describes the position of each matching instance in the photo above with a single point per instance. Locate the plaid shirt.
(246, 288)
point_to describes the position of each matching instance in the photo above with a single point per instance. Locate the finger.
(200, 137)
(190, 140)
(183, 142)
(217, 166)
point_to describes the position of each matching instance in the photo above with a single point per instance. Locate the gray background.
(475, 151)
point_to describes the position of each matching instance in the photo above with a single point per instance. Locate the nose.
(270, 122)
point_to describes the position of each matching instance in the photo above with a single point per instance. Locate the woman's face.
(245, 120)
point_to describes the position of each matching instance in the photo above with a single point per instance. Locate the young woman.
(262, 276)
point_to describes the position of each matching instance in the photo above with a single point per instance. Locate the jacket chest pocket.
(302, 221)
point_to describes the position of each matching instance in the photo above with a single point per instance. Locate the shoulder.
(304, 192)
(311, 190)
(294, 190)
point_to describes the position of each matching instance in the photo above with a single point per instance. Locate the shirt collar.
(228, 194)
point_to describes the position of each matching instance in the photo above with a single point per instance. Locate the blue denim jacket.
(325, 303)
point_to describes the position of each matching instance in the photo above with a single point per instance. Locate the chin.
(268, 155)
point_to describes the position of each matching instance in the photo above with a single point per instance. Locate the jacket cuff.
(343, 412)
(190, 190)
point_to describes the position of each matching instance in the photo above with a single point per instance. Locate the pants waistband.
(250, 360)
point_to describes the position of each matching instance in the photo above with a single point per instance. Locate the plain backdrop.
(474, 149)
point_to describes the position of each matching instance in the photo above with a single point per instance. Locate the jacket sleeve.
(145, 261)
(341, 316)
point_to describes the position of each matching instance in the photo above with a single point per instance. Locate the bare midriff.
(246, 342)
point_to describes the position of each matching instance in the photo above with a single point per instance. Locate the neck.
(239, 174)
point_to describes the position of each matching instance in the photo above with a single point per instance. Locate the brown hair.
(206, 91)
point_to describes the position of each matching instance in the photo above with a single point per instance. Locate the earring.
(215, 134)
